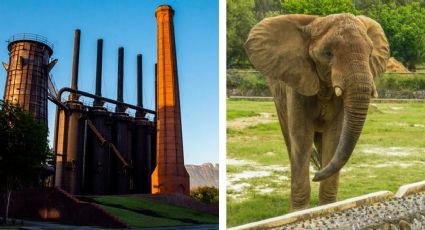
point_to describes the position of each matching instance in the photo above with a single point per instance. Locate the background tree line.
(402, 20)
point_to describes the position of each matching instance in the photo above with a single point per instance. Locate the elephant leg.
(329, 188)
(301, 135)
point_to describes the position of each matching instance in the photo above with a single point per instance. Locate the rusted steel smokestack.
(139, 85)
(99, 58)
(139, 81)
(120, 97)
(75, 62)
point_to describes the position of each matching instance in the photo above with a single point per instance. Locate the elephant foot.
(299, 207)
(327, 200)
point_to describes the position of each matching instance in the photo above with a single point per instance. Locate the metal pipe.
(99, 71)
(58, 103)
(156, 88)
(66, 89)
(120, 74)
(96, 132)
(55, 144)
(84, 157)
(75, 63)
(120, 82)
(139, 81)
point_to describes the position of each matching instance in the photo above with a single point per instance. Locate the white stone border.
(317, 211)
(370, 198)
(409, 189)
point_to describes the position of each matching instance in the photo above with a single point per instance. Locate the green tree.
(240, 20)
(23, 148)
(206, 194)
(404, 26)
(318, 7)
(266, 8)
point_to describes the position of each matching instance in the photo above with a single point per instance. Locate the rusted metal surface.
(27, 74)
(139, 85)
(139, 81)
(75, 63)
(99, 58)
(142, 155)
(112, 101)
(121, 174)
(73, 157)
(120, 81)
(99, 154)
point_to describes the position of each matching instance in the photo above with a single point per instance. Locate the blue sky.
(130, 24)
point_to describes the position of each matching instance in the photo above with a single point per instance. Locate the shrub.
(252, 83)
(205, 194)
(401, 82)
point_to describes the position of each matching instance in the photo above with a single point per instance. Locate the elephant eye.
(328, 53)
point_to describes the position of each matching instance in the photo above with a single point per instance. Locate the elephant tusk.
(374, 91)
(338, 91)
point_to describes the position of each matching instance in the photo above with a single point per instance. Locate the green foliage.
(247, 83)
(252, 83)
(402, 82)
(318, 7)
(240, 20)
(24, 146)
(402, 20)
(205, 194)
(266, 8)
(404, 26)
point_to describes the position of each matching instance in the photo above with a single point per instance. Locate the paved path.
(39, 225)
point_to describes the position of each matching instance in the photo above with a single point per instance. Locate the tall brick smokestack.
(170, 175)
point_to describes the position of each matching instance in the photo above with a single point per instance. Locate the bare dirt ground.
(245, 122)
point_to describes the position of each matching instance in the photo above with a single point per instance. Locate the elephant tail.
(316, 159)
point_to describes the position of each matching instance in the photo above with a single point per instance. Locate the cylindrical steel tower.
(28, 72)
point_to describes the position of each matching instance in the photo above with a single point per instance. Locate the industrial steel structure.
(28, 73)
(99, 151)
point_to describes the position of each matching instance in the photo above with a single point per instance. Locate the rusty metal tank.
(98, 169)
(122, 181)
(142, 157)
(28, 73)
(73, 164)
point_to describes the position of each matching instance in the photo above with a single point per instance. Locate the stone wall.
(402, 94)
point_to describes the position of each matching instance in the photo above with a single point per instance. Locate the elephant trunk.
(356, 102)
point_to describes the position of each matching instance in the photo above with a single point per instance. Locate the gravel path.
(397, 213)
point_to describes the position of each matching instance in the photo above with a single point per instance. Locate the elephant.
(320, 71)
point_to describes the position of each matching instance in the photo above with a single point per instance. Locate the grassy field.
(390, 153)
(143, 213)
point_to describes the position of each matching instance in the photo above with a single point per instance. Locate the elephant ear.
(278, 48)
(381, 50)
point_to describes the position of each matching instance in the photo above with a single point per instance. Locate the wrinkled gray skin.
(320, 71)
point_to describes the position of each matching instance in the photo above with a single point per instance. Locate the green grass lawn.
(142, 213)
(390, 153)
